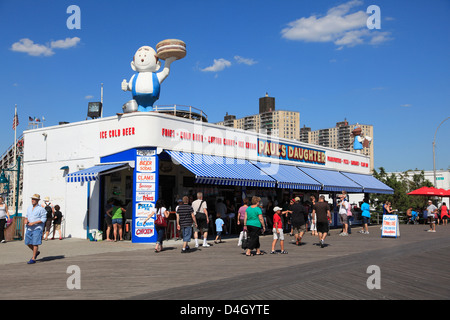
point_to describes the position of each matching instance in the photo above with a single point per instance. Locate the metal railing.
(183, 111)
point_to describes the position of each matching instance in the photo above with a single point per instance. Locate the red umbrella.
(446, 193)
(430, 191)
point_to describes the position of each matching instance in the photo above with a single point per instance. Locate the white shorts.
(278, 234)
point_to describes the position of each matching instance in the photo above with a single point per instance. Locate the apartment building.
(279, 123)
(338, 137)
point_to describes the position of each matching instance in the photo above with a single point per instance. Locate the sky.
(320, 58)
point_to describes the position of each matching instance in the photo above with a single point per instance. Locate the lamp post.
(434, 155)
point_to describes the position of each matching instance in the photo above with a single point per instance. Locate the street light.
(434, 155)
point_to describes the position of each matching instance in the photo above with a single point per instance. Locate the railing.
(7, 156)
(183, 111)
(376, 217)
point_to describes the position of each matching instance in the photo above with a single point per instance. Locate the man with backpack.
(201, 214)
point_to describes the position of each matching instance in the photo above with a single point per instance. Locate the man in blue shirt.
(34, 222)
(365, 208)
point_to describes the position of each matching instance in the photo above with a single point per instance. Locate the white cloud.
(247, 61)
(35, 49)
(66, 43)
(218, 65)
(89, 97)
(381, 37)
(338, 26)
(406, 105)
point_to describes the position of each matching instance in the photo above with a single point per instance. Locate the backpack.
(349, 210)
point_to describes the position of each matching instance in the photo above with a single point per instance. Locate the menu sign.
(390, 226)
(146, 179)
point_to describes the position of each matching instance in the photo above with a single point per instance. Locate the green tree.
(402, 185)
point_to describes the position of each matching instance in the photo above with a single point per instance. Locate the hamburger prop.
(145, 84)
(171, 48)
(360, 142)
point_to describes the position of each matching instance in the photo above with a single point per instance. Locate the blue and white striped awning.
(288, 177)
(332, 180)
(92, 173)
(369, 183)
(222, 171)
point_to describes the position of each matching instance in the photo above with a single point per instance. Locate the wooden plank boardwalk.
(412, 267)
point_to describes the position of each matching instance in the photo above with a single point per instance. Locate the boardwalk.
(414, 266)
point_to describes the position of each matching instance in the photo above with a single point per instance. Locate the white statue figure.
(145, 85)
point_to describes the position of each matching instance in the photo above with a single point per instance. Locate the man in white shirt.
(34, 222)
(431, 214)
(343, 206)
(201, 215)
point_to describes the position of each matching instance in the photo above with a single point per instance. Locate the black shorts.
(108, 220)
(322, 227)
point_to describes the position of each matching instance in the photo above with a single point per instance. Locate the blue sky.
(315, 57)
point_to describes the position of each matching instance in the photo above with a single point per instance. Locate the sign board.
(145, 195)
(390, 226)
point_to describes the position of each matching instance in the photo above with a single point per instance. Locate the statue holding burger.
(145, 84)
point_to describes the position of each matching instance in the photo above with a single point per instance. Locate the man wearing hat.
(50, 211)
(432, 210)
(299, 216)
(34, 222)
(277, 230)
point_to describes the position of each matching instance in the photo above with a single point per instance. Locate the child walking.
(277, 231)
(219, 224)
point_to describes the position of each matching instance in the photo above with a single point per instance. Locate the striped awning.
(222, 170)
(288, 177)
(332, 180)
(92, 173)
(369, 183)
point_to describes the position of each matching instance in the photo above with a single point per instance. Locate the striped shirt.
(184, 212)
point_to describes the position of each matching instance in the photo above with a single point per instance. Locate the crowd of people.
(255, 218)
(430, 213)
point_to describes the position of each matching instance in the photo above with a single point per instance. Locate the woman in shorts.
(117, 219)
(444, 214)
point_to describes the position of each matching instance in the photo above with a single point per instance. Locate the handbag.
(199, 215)
(244, 240)
(161, 220)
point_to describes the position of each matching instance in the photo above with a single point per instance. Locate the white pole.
(15, 134)
(101, 100)
(15, 154)
(434, 155)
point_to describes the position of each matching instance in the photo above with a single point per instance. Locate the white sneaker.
(205, 245)
(196, 245)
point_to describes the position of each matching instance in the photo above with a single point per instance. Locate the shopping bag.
(244, 241)
(240, 238)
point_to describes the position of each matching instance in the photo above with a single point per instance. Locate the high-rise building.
(338, 137)
(279, 123)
